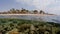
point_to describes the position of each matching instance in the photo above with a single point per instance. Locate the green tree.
(42, 12)
(13, 10)
(35, 11)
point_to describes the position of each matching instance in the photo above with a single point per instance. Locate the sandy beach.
(28, 14)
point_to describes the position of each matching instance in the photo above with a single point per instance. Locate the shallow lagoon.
(46, 18)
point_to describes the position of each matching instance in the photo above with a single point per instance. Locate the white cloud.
(42, 4)
(39, 4)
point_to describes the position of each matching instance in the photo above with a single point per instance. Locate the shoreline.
(30, 14)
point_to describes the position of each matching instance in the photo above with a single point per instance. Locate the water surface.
(46, 18)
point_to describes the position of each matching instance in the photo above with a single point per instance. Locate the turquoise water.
(55, 18)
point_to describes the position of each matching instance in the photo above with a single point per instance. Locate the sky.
(49, 6)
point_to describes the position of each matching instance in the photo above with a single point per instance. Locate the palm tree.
(24, 11)
(35, 11)
(42, 12)
(13, 10)
(17, 11)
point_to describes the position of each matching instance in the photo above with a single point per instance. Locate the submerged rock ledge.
(20, 26)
